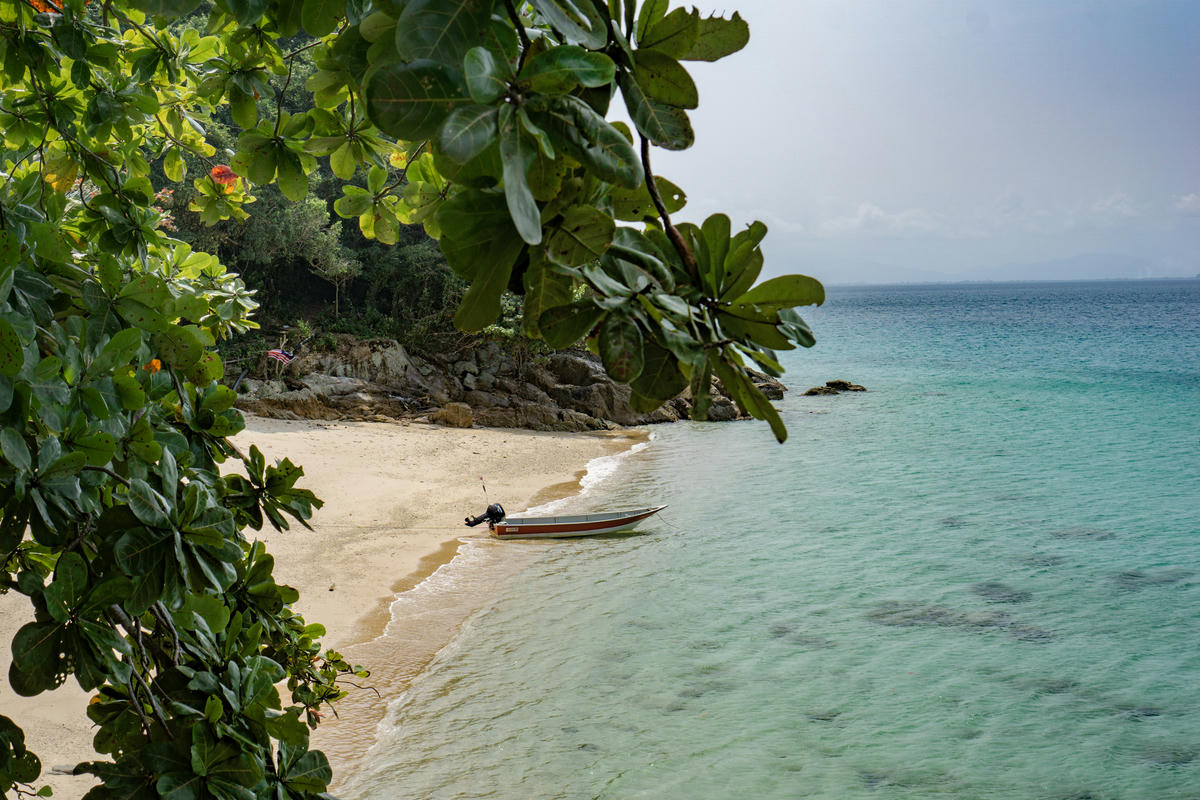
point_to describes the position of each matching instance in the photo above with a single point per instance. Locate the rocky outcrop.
(835, 387)
(378, 379)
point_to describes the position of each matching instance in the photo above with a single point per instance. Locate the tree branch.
(520, 26)
(685, 252)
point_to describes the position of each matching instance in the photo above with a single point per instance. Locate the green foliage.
(485, 127)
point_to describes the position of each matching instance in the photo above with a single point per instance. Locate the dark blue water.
(979, 579)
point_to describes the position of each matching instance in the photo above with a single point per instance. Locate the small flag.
(281, 355)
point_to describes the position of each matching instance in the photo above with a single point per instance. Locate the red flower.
(223, 175)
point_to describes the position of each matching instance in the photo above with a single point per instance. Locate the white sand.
(395, 496)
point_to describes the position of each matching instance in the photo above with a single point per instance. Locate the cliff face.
(377, 379)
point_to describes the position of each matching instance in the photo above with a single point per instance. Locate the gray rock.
(576, 370)
(454, 415)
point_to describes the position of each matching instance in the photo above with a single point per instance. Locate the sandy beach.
(395, 497)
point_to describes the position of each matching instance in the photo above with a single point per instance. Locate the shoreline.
(430, 606)
(395, 495)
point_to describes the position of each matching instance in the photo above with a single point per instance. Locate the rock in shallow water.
(835, 387)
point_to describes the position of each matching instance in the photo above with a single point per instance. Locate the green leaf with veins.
(517, 152)
(487, 77)
(622, 348)
(410, 101)
(468, 131)
(663, 125)
(578, 20)
(441, 30)
(562, 69)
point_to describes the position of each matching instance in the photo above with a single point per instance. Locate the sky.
(922, 139)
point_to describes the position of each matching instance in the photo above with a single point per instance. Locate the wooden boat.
(577, 525)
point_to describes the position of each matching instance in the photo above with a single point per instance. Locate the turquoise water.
(977, 580)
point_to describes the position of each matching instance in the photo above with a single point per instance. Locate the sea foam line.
(597, 472)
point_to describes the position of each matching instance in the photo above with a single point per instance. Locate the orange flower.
(223, 175)
(154, 366)
(45, 7)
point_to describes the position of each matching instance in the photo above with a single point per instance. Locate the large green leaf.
(578, 20)
(476, 230)
(441, 30)
(545, 287)
(561, 69)
(794, 326)
(14, 449)
(149, 290)
(744, 261)
(37, 653)
(582, 237)
(664, 79)
(563, 326)
(410, 101)
(666, 126)
(67, 588)
(588, 138)
(480, 306)
(180, 345)
(303, 771)
(517, 153)
(715, 233)
(757, 331)
(487, 76)
(786, 291)
(660, 379)
(673, 35)
(467, 131)
(320, 17)
(747, 395)
(718, 38)
(147, 505)
(12, 356)
(292, 181)
(622, 348)
(649, 15)
(635, 205)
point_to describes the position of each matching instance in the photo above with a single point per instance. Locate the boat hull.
(580, 525)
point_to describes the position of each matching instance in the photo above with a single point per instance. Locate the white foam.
(598, 471)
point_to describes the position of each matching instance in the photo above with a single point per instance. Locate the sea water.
(978, 579)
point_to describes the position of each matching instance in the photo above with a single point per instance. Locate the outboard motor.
(494, 513)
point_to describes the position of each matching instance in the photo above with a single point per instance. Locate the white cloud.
(1113, 206)
(1188, 203)
(870, 219)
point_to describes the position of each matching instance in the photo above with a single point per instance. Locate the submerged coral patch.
(916, 614)
(1133, 580)
(1083, 533)
(997, 592)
